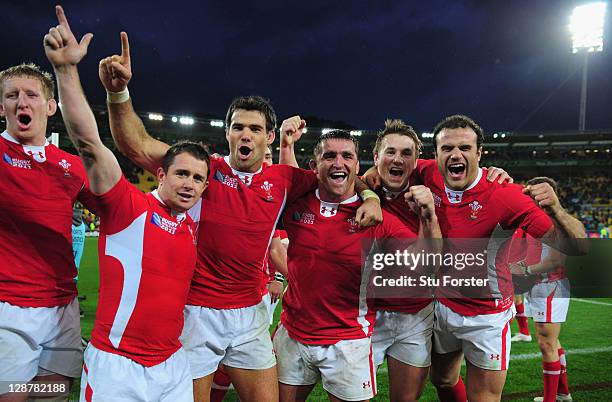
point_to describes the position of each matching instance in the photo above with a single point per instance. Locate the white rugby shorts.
(112, 377)
(484, 339)
(346, 368)
(234, 337)
(549, 301)
(39, 341)
(405, 337)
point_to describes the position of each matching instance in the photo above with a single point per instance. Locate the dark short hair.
(334, 135)
(544, 179)
(458, 121)
(397, 126)
(192, 148)
(30, 70)
(256, 103)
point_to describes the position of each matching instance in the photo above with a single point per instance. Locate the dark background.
(508, 64)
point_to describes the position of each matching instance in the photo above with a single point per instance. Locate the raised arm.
(64, 53)
(291, 131)
(127, 129)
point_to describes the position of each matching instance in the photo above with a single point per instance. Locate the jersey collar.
(180, 216)
(245, 177)
(454, 196)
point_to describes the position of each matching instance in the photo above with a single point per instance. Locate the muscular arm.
(132, 138)
(127, 129)
(102, 167)
(64, 53)
(278, 256)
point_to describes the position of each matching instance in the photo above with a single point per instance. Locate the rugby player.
(146, 247)
(225, 318)
(40, 331)
(549, 300)
(326, 320)
(472, 207)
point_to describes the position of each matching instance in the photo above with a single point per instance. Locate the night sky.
(507, 64)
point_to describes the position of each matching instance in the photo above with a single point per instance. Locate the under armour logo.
(494, 357)
(37, 156)
(366, 385)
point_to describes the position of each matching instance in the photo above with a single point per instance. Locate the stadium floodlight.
(356, 133)
(174, 119)
(503, 135)
(587, 28)
(217, 123)
(427, 135)
(305, 130)
(185, 120)
(156, 116)
(326, 130)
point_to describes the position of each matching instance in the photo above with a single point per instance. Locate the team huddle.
(188, 271)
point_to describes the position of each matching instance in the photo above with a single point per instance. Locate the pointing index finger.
(61, 17)
(125, 46)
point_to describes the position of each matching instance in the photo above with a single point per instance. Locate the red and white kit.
(325, 304)
(549, 297)
(404, 325)
(147, 259)
(481, 211)
(40, 324)
(237, 217)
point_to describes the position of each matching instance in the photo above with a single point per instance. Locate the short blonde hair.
(30, 70)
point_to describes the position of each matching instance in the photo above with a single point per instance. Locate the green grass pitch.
(586, 337)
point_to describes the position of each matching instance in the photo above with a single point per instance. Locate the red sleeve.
(301, 182)
(120, 205)
(393, 227)
(521, 211)
(88, 199)
(425, 168)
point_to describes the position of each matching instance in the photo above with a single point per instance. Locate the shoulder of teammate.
(424, 172)
(298, 181)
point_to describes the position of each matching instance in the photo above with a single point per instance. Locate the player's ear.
(312, 165)
(479, 153)
(51, 107)
(271, 136)
(161, 175)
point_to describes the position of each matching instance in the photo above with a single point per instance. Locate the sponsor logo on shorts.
(494, 356)
(163, 223)
(18, 163)
(366, 385)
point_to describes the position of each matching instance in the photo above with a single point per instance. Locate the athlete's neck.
(231, 160)
(333, 198)
(37, 140)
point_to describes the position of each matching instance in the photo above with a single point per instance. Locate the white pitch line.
(533, 356)
(592, 302)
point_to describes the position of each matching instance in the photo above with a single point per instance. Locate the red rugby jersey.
(326, 301)
(237, 217)
(147, 259)
(478, 212)
(396, 204)
(38, 187)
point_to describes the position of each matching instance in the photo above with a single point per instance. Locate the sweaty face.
(395, 160)
(182, 185)
(336, 168)
(248, 140)
(26, 109)
(457, 157)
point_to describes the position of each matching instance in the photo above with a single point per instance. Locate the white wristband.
(118, 97)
